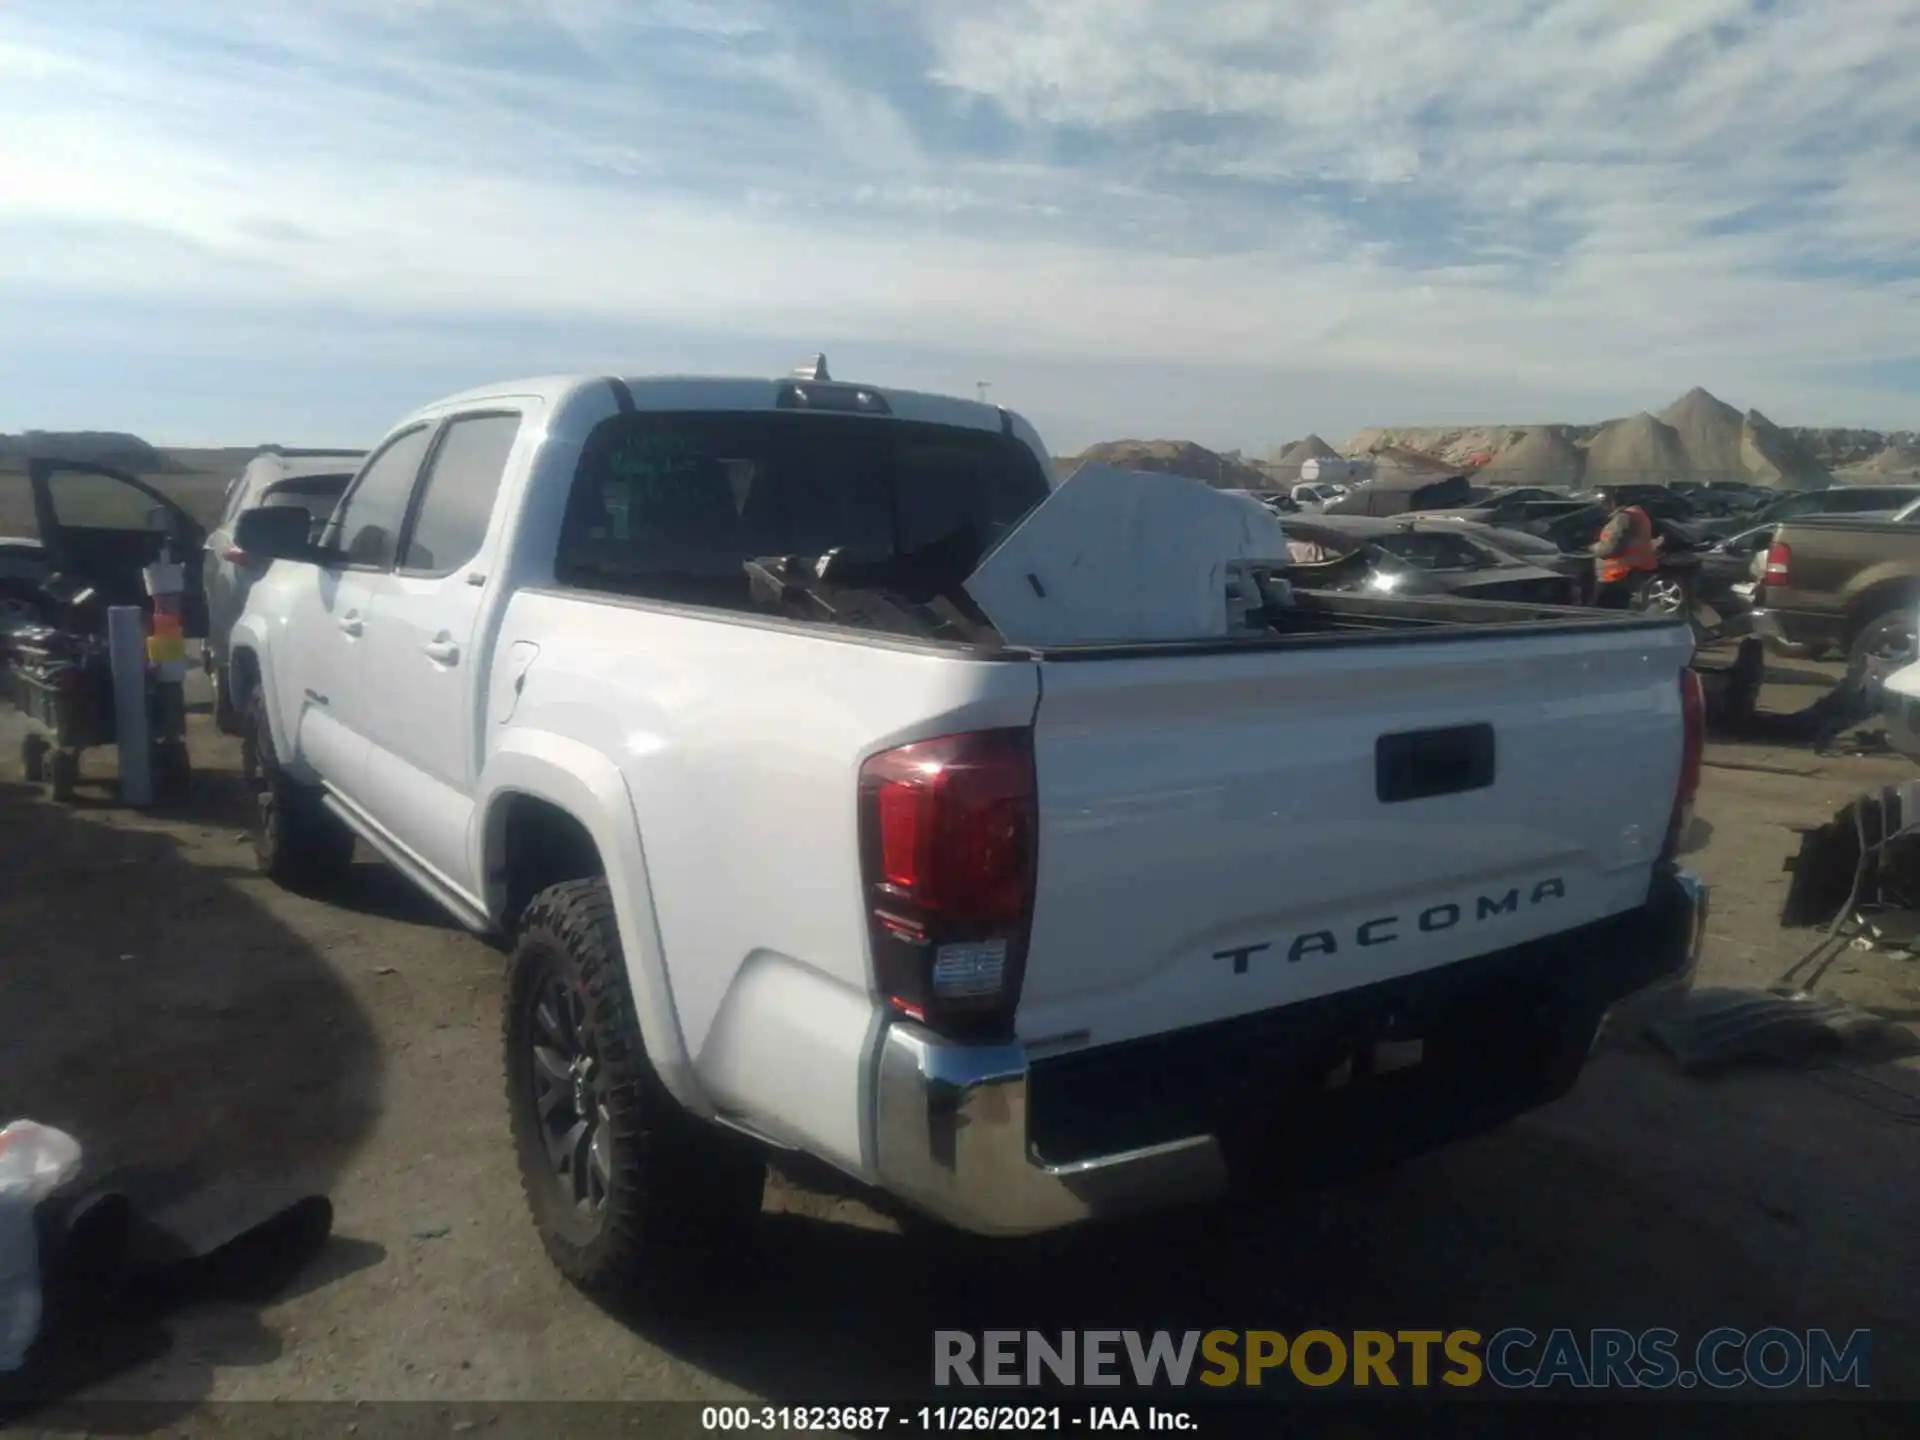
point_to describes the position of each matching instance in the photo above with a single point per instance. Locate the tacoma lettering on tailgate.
(1387, 929)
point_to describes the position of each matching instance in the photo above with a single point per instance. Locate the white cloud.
(1586, 197)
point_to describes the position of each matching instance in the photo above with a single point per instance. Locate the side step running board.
(444, 895)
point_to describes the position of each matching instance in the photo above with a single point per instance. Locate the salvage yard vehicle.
(309, 480)
(1407, 556)
(98, 528)
(1843, 582)
(684, 690)
(1805, 504)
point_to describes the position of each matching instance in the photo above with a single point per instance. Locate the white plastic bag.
(35, 1160)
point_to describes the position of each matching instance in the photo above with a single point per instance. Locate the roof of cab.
(718, 392)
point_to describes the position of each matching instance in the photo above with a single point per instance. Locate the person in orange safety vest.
(1625, 552)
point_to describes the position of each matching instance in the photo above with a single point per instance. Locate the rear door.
(424, 654)
(1220, 834)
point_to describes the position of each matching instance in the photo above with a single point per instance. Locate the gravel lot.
(182, 1015)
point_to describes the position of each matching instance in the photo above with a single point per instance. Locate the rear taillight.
(1779, 564)
(949, 838)
(1693, 744)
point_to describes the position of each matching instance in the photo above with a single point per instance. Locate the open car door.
(101, 525)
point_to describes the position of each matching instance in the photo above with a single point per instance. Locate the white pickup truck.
(1021, 935)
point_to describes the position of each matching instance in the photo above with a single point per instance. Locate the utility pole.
(981, 386)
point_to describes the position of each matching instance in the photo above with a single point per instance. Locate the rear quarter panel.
(739, 746)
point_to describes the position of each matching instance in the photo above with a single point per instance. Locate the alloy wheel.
(569, 1097)
(1663, 597)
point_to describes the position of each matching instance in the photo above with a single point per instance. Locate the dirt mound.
(1542, 456)
(102, 447)
(1897, 458)
(1175, 457)
(1838, 448)
(1774, 457)
(1640, 447)
(1709, 431)
(1455, 446)
(1721, 443)
(1301, 451)
(1284, 461)
(1402, 457)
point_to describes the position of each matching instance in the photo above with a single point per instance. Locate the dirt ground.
(183, 1016)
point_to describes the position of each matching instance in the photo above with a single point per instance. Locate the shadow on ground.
(183, 1034)
(374, 889)
(1521, 1228)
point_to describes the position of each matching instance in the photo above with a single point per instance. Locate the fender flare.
(248, 637)
(589, 787)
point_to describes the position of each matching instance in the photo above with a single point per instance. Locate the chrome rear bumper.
(952, 1140)
(952, 1127)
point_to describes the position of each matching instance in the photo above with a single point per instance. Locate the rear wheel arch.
(531, 844)
(243, 665)
(1879, 600)
(548, 805)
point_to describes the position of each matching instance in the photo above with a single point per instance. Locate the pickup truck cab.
(1019, 935)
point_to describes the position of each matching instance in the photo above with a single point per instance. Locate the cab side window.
(367, 524)
(456, 504)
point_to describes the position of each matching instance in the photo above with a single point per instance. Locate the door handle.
(351, 623)
(443, 652)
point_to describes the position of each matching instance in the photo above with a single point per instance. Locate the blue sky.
(1231, 222)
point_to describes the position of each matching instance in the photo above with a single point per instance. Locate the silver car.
(310, 479)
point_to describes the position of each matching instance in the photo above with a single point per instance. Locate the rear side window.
(1427, 550)
(670, 506)
(367, 525)
(456, 505)
(316, 494)
(1888, 499)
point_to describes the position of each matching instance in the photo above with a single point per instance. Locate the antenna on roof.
(814, 369)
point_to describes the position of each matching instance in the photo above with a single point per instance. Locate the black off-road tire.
(33, 759)
(296, 843)
(648, 1196)
(225, 718)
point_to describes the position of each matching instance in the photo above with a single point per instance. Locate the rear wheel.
(33, 759)
(629, 1192)
(225, 718)
(1666, 594)
(296, 842)
(1886, 643)
(1660, 594)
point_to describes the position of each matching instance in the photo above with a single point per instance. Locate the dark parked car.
(1413, 556)
(312, 480)
(1803, 504)
(1397, 494)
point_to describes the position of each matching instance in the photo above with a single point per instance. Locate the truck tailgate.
(1227, 833)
